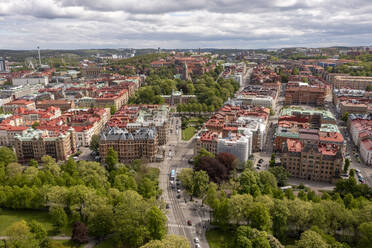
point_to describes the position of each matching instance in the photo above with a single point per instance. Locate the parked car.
(167, 206)
(197, 245)
(260, 161)
(196, 240)
(178, 196)
(189, 223)
(178, 191)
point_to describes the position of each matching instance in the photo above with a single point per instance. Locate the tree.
(186, 178)
(33, 163)
(369, 88)
(171, 241)
(365, 232)
(80, 233)
(272, 160)
(311, 239)
(280, 174)
(94, 143)
(101, 221)
(202, 153)
(345, 116)
(230, 161)
(37, 229)
(59, 217)
(20, 236)
(113, 109)
(124, 182)
(259, 217)
(280, 214)
(156, 223)
(347, 165)
(35, 124)
(216, 171)
(112, 158)
(7, 155)
(200, 183)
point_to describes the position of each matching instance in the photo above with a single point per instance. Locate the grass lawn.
(108, 243)
(219, 239)
(67, 243)
(8, 217)
(188, 133)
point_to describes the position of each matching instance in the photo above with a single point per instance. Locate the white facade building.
(366, 151)
(30, 81)
(240, 146)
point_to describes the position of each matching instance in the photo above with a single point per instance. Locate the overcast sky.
(64, 24)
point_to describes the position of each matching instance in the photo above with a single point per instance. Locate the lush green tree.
(186, 178)
(289, 194)
(279, 215)
(58, 217)
(37, 229)
(7, 155)
(113, 109)
(202, 153)
(347, 165)
(259, 217)
(248, 237)
(239, 206)
(171, 241)
(248, 182)
(148, 188)
(33, 163)
(129, 219)
(365, 232)
(124, 182)
(345, 116)
(311, 239)
(200, 183)
(112, 158)
(19, 236)
(94, 143)
(100, 224)
(156, 223)
(280, 174)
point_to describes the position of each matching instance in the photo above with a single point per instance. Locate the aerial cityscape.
(195, 124)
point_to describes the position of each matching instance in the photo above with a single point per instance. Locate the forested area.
(120, 201)
(361, 68)
(250, 207)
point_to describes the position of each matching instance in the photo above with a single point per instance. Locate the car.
(260, 161)
(357, 170)
(197, 245)
(196, 240)
(167, 206)
(178, 191)
(178, 196)
(189, 223)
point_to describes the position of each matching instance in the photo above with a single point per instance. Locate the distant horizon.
(201, 48)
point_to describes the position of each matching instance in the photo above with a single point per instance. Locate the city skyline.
(67, 24)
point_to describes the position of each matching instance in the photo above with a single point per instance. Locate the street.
(181, 210)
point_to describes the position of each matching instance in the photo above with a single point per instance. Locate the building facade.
(139, 144)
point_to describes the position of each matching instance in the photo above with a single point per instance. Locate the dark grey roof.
(115, 133)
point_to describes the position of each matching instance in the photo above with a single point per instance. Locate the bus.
(172, 175)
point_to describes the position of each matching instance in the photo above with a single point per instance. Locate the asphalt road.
(181, 209)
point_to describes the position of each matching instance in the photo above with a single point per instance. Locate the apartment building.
(139, 144)
(64, 105)
(351, 82)
(34, 144)
(133, 117)
(312, 161)
(303, 93)
(177, 97)
(13, 105)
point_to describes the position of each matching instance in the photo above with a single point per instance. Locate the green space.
(188, 133)
(107, 243)
(68, 243)
(8, 217)
(220, 239)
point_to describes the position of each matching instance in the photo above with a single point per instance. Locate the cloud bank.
(67, 24)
